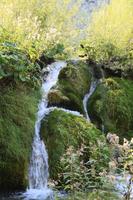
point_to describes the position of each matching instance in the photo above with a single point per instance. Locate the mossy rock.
(73, 84)
(61, 130)
(56, 98)
(17, 118)
(112, 105)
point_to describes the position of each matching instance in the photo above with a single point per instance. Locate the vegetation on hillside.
(29, 29)
(31, 33)
(110, 36)
(38, 26)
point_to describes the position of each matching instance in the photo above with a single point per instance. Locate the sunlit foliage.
(30, 28)
(111, 31)
(37, 25)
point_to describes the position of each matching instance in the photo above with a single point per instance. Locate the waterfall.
(76, 113)
(97, 77)
(87, 96)
(38, 169)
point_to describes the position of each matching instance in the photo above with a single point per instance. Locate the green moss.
(112, 105)
(56, 98)
(73, 84)
(60, 130)
(17, 117)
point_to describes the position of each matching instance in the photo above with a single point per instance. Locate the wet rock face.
(98, 73)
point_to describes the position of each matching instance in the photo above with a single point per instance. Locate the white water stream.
(87, 96)
(38, 170)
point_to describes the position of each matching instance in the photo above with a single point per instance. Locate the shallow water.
(15, 197)
(33, 195)
(10, 197)
(117, 193)
(77, 196)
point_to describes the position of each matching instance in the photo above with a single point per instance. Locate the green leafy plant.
(79, 174)
(16, 66)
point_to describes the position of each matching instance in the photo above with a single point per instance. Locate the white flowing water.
(76, 113)
(87, 96)
(38, 170)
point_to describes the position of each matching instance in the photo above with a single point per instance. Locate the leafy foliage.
(16, 66)
(38, 25)
(121, 164)
(78, 174)
(110, 35)
(29, 29)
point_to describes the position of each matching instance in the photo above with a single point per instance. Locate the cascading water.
(76, 113)
(87, 96)
(38, 170)
(97, 77)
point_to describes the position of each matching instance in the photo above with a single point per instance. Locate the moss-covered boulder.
(112, 105)
(73, 83)
(56, 98)
(17, 117)
(61, 130)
